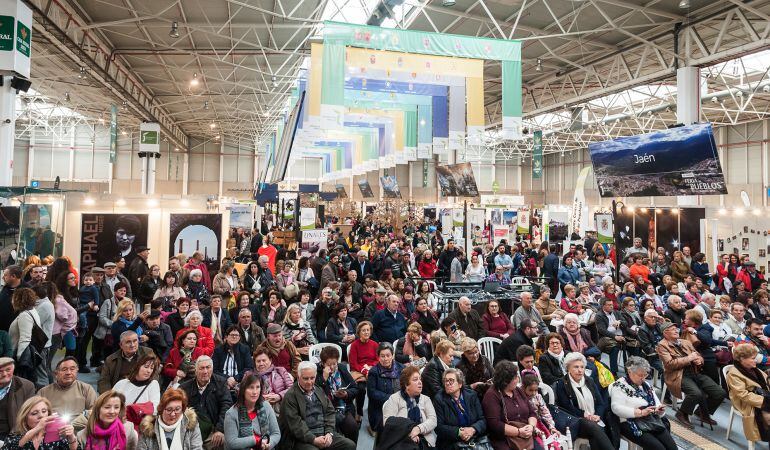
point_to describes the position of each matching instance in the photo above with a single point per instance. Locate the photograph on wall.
(457, 180)
(241, 216)
(38, 236)
(496, 217)
(676, 161)
(557, 225)
(9, 232)
(190, 233)
(109, 237)
(509, 217)
(390, 187)
(341, 193)
(720, 245)
(366, 189)
(744, 244)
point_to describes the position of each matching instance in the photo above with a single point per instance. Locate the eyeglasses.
(450, 381)
(176, 410)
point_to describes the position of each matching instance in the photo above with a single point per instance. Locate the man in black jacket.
(551, 270)
(523, 336)
(468, 319)
(361, 265)
(208, 395)
(138, 268)
(12, 279)
(649, 335)
(160, 337)
(444, 262)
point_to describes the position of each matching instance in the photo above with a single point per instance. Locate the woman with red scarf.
(105, 429)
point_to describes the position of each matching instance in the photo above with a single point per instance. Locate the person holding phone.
(635, 403)
(341, 389)
(36, 424)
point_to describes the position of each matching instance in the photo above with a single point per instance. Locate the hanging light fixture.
(67, 97)
(174, 33)
(539, 66)
(275, 81)
(82, 74)
(206, 105)
(684, 4)
(194, 82)
(447, 3)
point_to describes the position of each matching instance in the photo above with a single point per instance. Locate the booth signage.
(537, 155)
(15, 37)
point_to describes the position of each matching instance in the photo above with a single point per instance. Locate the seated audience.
(522, 336)
(174, 425)
(68, 395)
(219, 326)
(389, 324)
(298, 330)
(340, 329)
(31, 424)
(180, 365)
(410, 403)
(459, 416)
(432, 373)
(159, 335)
(119, 364)
(251, 334)
(650, 335)
(251, 423)
(307, 416)
(749, 388)
(507, 409)
(208, 395)
(140, 385)
(127, 320)
(232, 359)
(552, 366)
(530, 383)
(682, 367)
(527, 310)
(475, 367)
(194, 320)
(176, 320)
(580, 397)
(575, 337)
(106, 426)
(381, 383)
(413, 346)
(275, 380)
(640, 411)
(495, 322)
(282, 352)
(339, 387)
(468, 319)
(17, 389)
(426, 317)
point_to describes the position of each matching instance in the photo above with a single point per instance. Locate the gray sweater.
(47, 314)
(234, 442)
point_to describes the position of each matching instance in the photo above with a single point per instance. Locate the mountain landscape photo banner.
(457, 180)
(677, 161)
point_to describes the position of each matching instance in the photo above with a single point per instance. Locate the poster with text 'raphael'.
(110, 237)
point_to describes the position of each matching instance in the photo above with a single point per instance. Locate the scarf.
(412, 408)
(583, 395)
(461, 410)
(631, 390)
(246, 426)
(114, 437)
(129, 324)
(575, 340)
(176, 439)
(271, 314)
(186, 366)
(215, 331)
(334, 382)
(560, 358)
(754, 375)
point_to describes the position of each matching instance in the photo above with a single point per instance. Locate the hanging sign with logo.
(15, 37)
(149, 137)
(113, 133)
(537, 155)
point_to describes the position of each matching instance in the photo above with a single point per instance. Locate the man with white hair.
(468, 319)
(307, 419)
(707, 302)
(527, 311)
(266, 276)
(389, 324)
(208, 395)
(119, 364)
(649, 336)
(361, 265)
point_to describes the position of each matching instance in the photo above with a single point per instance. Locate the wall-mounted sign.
(15, 37)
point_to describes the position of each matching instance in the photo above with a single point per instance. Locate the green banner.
(6, 33)
(23, 39)
(537, 155)
(113, 133)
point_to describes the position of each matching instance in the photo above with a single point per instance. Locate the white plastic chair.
(547, 391)
(519, 281)
(487, 347)
(314, 354)
(673, 399)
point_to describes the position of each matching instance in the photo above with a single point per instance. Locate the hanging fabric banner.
(522, 223)
(424, 131)
(537, 155)
(604, 228)
(456, 117)
(578, 219)
(512, 120)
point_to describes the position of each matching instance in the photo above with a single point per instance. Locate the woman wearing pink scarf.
(576, 339)
(106, 429)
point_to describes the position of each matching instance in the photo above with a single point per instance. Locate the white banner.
(578, 219)
(307, 218)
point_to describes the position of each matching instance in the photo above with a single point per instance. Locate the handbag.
(476, 444)
(518, 442)
(39, 338)
(135, 412)
(724, 357)
(652, 423)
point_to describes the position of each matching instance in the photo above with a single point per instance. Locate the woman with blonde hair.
(106, 428)
(30, 429)
(297, 330)
(125, 319)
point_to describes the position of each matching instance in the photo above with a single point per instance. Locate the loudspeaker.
(21, 84)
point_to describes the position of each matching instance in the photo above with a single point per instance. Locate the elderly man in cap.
(160, 339)
(122, 362)
(282, 352)
(112, 276)
(377, 305)
(750, 277)
(67, 394)
(139, 267)
(683, 374)
(307, 417)
(14, 391)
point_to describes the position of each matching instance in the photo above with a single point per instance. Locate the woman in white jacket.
(410, 403)
(23, 302)
(640, 411)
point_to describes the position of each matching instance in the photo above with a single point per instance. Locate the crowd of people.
(188, 359)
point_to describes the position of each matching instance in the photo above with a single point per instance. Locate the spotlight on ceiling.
(274, 80)
(82, 74)
(684, 4)
(212, 125)
(174, 33)
(67, 97)
(539, 66)
(194, 82)
(714, 100)
(206, 105)
(447, 3)
(766, 88)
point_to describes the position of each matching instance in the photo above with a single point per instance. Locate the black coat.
(175, 322)
(213, 403)
(242, 356)
(449, 422)
(367, 269)
(432, 375)
(7, 314)
(566, 399)
(224, 320)
(334, 330)
(161, 340)
(550, 369)
(507, 349)
(347, 383)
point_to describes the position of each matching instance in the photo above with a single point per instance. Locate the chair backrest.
(726, 369)
(519, 281)
(547, 392)
(314, 354)
(395, 345)
(487, 347)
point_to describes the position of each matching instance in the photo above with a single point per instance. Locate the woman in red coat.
(180, 364)
(427, 266)
(205, 338)
(495, 322)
